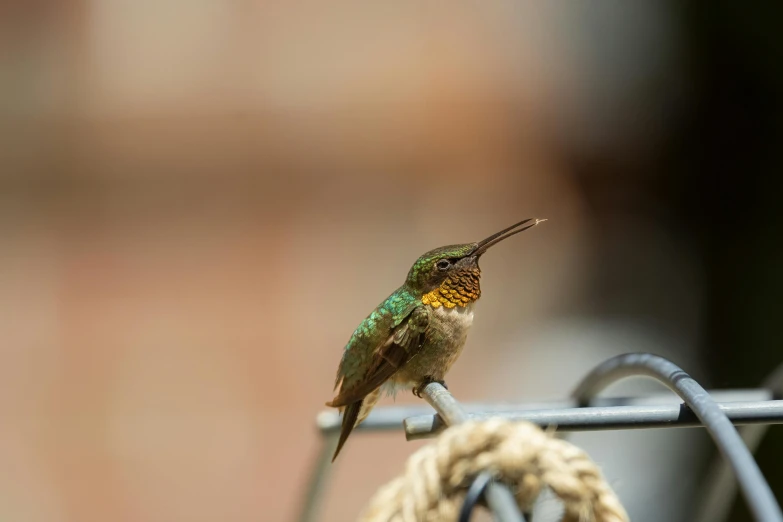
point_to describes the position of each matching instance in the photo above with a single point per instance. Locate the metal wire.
(499, 498)
(720, 488)
(319, 477)
(755, 488)
(473, 495)
(610, 417)
(392, 417)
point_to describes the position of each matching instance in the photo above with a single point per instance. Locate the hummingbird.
(413, 337)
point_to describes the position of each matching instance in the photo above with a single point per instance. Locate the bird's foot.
(417, 391)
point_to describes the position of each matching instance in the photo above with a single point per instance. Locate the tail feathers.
(353, 415)
(350, 415)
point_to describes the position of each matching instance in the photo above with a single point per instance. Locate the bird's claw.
(418, 390)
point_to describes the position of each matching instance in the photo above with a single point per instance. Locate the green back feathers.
(372, 332)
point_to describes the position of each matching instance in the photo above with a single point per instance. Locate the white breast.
(448, 328)
(458, 320)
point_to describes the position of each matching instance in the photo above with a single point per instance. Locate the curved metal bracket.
(754, 487)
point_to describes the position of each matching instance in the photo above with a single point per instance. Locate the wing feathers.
(401, 345)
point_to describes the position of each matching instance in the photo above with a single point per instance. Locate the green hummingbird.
(414, 336)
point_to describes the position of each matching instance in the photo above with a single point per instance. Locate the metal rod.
(473, 495)
(319, 477)
(755, 488)
(499, 498)
(720, 487)
(610, 417)
(445, 404)
(392, 417)
(502, 503)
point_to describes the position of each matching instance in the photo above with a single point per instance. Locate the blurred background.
(199, 202)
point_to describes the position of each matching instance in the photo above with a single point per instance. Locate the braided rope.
(436, 477)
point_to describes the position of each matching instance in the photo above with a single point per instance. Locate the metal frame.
(717, 411)
(499, 498)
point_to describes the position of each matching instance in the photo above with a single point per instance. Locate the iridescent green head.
(448, 273)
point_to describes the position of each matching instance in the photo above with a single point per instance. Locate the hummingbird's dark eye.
(443, 264)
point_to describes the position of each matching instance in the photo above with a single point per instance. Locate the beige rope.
(518, 453)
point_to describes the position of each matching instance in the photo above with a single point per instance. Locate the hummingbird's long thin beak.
(483, 245)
